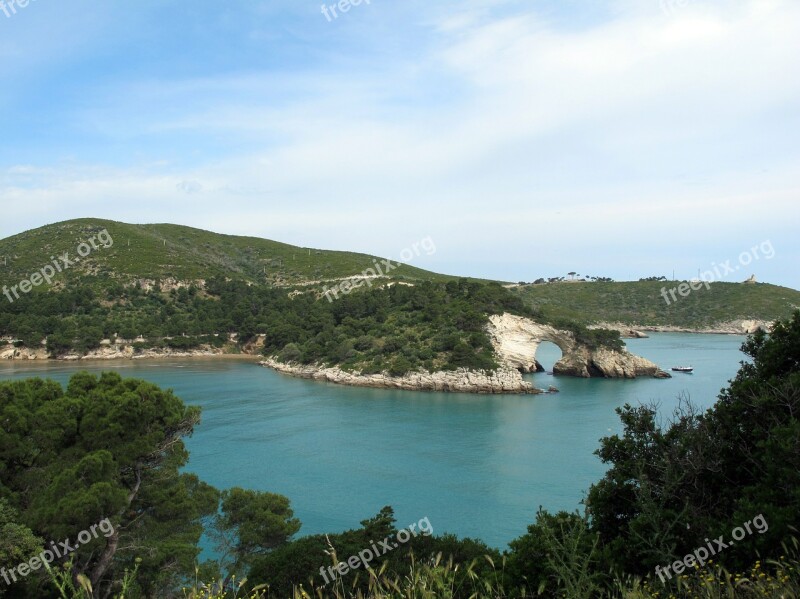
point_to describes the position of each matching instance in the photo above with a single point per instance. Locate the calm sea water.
(476, 466)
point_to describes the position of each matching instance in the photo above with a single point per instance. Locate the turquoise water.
(474, 465)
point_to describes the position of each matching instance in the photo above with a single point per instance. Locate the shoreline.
(501, 381)
(115, 353)
(15, 354)
(733, 327)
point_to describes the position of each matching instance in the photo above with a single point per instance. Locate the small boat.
(686, 369)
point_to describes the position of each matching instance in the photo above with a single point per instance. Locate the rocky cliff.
(516, 340)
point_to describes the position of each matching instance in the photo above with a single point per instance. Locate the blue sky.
(526, 138)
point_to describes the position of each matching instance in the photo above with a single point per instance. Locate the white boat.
(686, 369)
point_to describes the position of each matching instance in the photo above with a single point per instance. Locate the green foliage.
(429, 325)
(79, 586)
(160, 252)
(592, 338)
(104, 448)
(112, 447)
(703, 474)
(641, 303)
(399, 328)
(253, 523)
(557, 555)
(299, 562)
(17, 542)
(435, 322)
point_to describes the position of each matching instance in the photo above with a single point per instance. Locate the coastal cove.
(475, 465)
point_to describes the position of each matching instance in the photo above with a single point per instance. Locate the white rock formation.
(505, 380)
(516, 340)
(9, 352)
(108, 352)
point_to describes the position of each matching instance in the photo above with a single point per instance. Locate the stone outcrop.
(516, 340)
(166, 285)
(607, 363)
(504, 380)
(9, 352)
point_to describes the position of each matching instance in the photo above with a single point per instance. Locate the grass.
(436, 579)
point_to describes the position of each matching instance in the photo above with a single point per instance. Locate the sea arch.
(516, 340)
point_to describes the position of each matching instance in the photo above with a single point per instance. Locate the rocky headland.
(515, 340)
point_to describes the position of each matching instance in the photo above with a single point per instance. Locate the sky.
(619, 138)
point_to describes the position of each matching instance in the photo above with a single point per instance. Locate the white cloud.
(507, 135)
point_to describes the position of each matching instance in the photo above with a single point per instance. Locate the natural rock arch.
(516, 340)
(546, 365)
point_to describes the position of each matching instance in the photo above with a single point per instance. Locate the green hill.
(163, 251)
(641, 302)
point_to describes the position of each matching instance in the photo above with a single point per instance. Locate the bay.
(477, 466)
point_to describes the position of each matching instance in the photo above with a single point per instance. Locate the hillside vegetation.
(412, 320)
(163, 251)
(174, 287)
(641, 302)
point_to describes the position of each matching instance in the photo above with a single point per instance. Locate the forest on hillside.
(398, 328)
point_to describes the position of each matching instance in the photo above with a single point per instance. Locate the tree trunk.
(113, 541)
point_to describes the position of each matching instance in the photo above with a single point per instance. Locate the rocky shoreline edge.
(10, 352)
(515, 340)
(126, 352)
(732, 327)
(502, 380)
